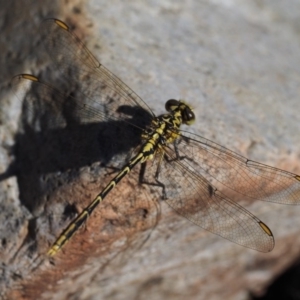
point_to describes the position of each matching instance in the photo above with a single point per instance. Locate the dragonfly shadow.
(46, 159)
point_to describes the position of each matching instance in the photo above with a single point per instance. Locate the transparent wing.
(92, 83)
(85, 91)
(195, 198)
(233, 172)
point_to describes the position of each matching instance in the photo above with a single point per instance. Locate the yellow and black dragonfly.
(194, 175)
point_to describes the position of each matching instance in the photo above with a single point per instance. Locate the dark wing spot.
(210, 190)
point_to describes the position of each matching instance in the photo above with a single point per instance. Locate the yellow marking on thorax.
(161, 130)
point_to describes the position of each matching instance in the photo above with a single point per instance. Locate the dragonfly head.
(187, 114)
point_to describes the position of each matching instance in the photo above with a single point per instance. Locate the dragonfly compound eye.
(171, 105)
(188, 116)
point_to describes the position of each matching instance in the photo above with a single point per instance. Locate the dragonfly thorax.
(165, 129)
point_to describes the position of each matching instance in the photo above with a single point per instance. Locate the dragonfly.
(194, 175)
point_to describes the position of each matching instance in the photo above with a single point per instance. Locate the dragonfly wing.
(192, 196)
(76, 63)
(84, 89)
(235, 172)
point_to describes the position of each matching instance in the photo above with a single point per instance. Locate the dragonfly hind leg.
(157, 183)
